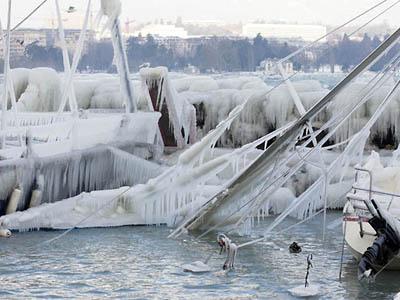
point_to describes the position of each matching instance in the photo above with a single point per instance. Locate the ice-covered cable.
(86, 218)
(29, 15)
(6, 72)
(75, 61)
(332, 31)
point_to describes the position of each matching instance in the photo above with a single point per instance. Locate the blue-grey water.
(141, 263)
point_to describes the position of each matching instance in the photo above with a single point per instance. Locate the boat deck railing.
(371, 192)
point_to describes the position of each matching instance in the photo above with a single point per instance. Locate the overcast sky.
(301, 11)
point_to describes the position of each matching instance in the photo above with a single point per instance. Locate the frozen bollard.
(36, 198)
(5, 233)
(37, 193)
(14, 201)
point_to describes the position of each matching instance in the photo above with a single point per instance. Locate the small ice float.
(302, 291)
(197, 267)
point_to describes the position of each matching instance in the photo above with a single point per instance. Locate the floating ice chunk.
(303, 292)
(397, 297)
(197, 267)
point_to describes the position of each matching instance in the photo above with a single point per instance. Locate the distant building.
(188, 46)
(306, 33)
(269, 67)
(180, 46)
(162, 30)
(21, 38)
(330, 69)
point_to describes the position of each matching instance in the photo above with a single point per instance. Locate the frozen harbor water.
(141, 263)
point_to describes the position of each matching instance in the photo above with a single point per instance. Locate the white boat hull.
(357, 244)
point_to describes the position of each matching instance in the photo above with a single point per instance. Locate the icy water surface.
(141, 263)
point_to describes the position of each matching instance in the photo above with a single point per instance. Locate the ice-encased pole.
(10, 83)
(123, 67)
(112, 9)
(67, 65)
(75, 61)
(6, 69)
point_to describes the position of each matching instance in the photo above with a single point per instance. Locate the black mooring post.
(309, 266)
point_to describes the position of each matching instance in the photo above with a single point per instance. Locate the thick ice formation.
(43, 91)
(173, 195)
(61, 176)
(213, 97)
(63, 136)
(383, 178)
(111, 8)
(252, 111)
(182, 115)
(273, 109)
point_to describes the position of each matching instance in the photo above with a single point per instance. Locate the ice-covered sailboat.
(373, 242)
(207, 190)
(54, 141)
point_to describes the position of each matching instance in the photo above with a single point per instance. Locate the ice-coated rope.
(334, 30)
(84, 219)
(284, 80)
(28, 16)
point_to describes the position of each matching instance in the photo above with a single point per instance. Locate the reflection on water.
(140, 262)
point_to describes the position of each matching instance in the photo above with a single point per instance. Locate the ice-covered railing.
(78, 134)
(26, 119)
